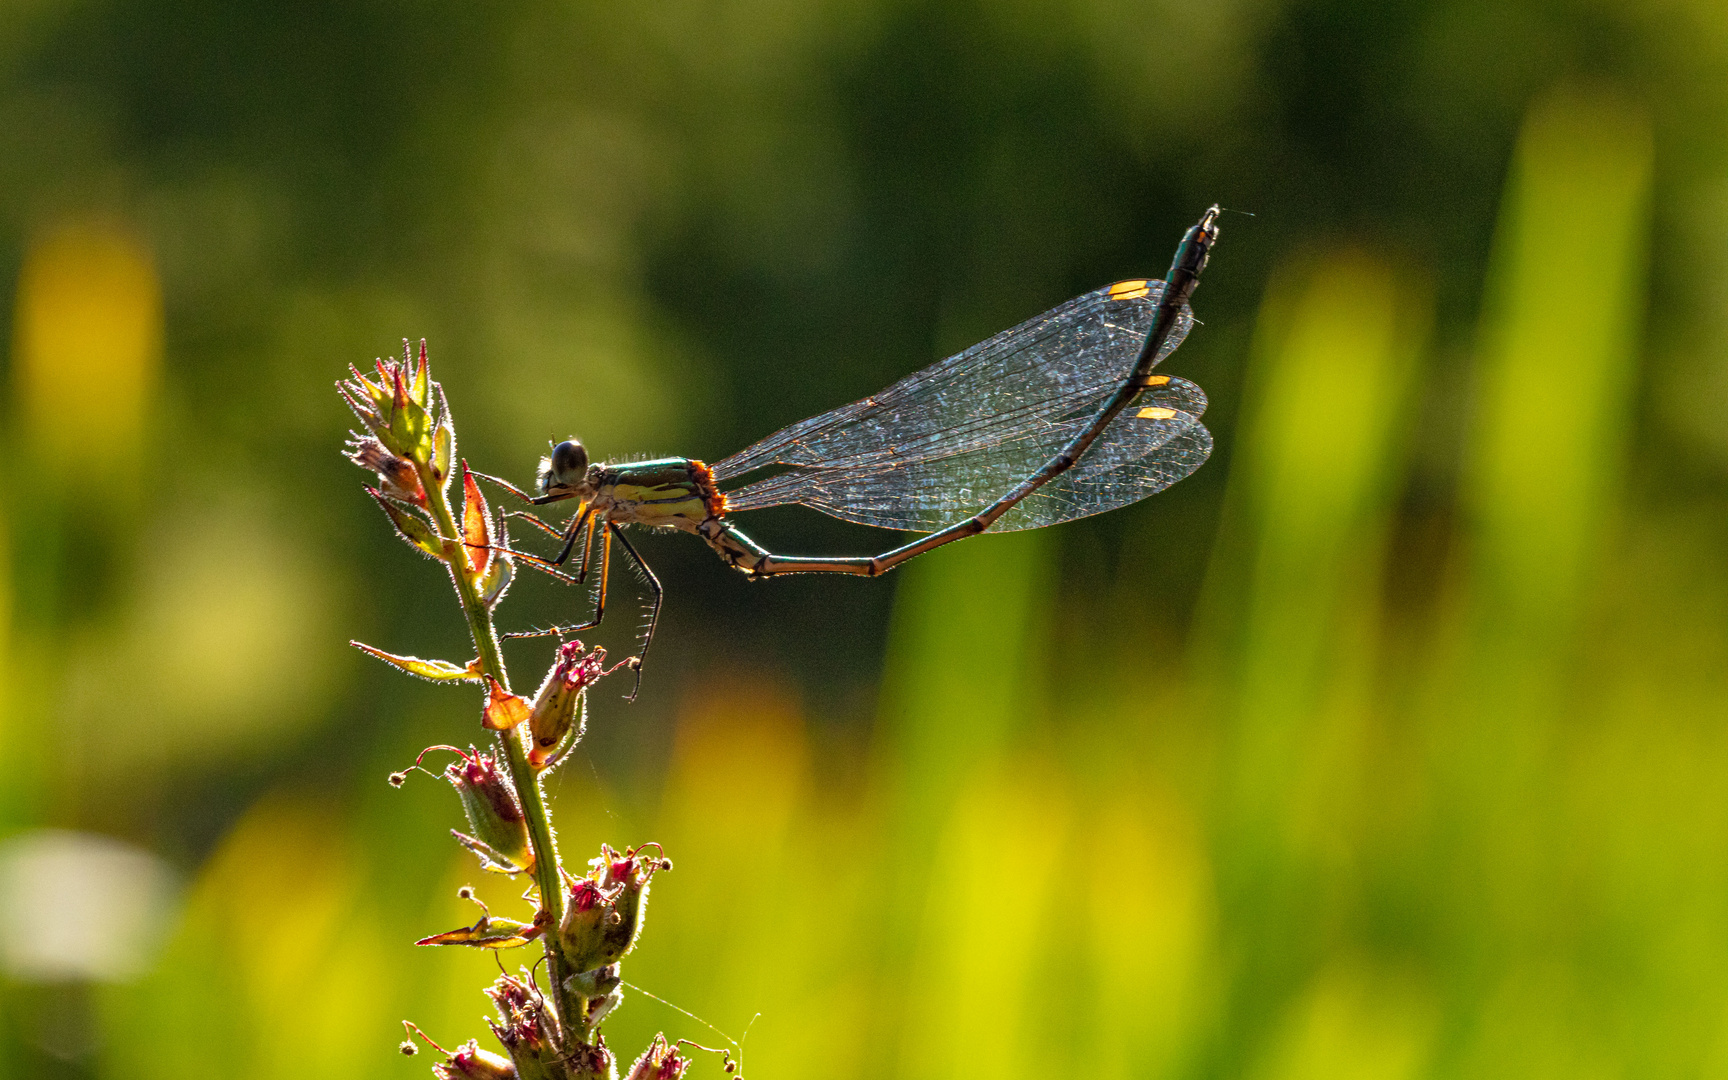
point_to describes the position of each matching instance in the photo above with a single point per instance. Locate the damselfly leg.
(583, 528)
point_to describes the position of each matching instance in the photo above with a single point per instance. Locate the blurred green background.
(1392, 744)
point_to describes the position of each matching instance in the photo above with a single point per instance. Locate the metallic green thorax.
(673, 493)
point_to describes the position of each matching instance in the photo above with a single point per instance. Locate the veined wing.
(943, 443)
(1155, 442)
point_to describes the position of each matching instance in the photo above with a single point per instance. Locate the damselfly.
(1059, 418)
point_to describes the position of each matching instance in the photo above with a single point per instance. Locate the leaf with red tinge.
(476, 524)
(401, 388)
(504, 710)
(490, 932)
(431, 670)
(409, 526)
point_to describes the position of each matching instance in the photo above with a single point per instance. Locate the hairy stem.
(571, 1008)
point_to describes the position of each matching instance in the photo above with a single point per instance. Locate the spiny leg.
(654, 589)
(588, 518)
(503, 483)
(542, 564)
(550, 566)
(533, 500)
(532, 519)
(587, 547)
(566, 534)
(605, 573)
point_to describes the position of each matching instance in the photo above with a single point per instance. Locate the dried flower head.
(466, 1062)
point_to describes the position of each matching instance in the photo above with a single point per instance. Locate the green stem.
(547, 876)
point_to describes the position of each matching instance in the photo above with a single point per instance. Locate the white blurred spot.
(78, 906)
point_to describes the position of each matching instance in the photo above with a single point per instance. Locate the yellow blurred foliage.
(87, 350)
(278, 967)
(1152, 917)
(1354, 1024)
(1565, 309)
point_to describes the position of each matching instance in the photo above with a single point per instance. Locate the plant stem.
(547, 875)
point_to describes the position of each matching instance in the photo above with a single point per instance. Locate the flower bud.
(628, 875)
(498, 577)
(596, 983)
(605, 909)
(591, 1059)
(582, 932)
(403, 409)
(559, 715)
(600, 1007)
(661, 1061)
(500, 829)
(467, 1062)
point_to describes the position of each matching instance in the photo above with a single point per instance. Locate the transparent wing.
(945, 442)
(1155, 442)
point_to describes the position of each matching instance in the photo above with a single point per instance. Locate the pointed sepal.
(409, 526)
(476, 525)
(504, 710)
(489, 931)
(430, 670)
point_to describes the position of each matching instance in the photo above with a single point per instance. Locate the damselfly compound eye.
(569, 465)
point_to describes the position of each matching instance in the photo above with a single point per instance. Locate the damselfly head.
(565, 469)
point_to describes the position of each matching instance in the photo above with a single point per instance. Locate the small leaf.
(410, 526)
(498, 579)
(490, 932)
(432, 670)
(476, 524)
(373, 391)
(503, 571)
(504, 710)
